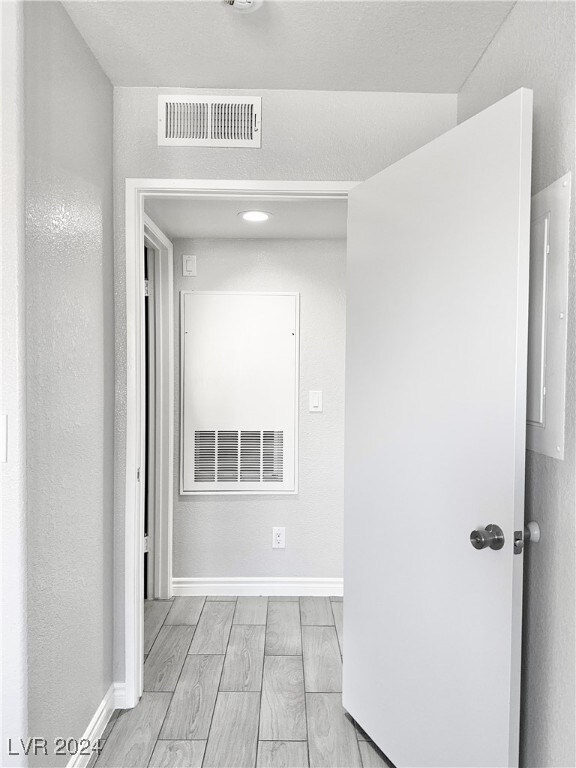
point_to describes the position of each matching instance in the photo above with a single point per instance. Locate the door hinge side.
(146, 544)
(146, 287)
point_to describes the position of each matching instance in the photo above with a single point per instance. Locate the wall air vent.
(238, 456)
(209, 121)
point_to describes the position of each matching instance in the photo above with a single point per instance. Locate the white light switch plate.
(315, 401)
(188, 265)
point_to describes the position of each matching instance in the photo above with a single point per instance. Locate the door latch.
(531, 533)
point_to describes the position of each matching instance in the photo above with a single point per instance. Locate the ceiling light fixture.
(255, 215)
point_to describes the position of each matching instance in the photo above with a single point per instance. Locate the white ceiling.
(295, 219)
(347, 45)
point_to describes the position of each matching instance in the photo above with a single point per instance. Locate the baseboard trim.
(95, 728)
(242, 585)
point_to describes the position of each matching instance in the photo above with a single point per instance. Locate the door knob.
(492, 536)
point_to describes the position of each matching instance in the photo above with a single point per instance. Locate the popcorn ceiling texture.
(307, 135)
(535, 48)
(331, 45)
(70, 377)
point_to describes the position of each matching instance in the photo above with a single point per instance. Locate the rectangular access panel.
(239, 392)
(547, 329)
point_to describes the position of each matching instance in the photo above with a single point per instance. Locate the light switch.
(315, 401)
(188, 266)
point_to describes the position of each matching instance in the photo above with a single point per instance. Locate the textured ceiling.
(349, 45)
(293, 219)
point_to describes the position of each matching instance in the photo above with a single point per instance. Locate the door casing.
(129, 593)
(160, 502)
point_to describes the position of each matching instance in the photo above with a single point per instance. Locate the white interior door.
(437, 300)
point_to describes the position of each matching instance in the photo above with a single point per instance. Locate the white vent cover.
(238, 456)
(209, 121)
(239, 380)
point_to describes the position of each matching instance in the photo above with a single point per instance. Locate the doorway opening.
(150, 503)
(158, 405)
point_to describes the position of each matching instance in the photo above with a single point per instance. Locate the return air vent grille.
(244, 456)
(209, 121)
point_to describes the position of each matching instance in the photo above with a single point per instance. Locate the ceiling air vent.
(208, 121)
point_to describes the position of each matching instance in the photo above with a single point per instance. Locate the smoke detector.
(244, 6)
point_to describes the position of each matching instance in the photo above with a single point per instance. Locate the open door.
(437, 315)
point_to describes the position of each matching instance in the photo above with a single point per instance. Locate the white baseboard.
(119, 695)
(95, 728)
(243, 585)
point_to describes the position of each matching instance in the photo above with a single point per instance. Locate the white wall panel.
(239, 368)
(549, 248)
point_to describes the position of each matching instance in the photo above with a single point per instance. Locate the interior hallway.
(247, 681)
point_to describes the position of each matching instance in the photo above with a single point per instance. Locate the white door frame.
(160, 503)
(150, 259)
(131, 596)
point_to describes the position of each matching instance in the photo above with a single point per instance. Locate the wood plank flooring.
(244, 659)
(322, 660)
(283, 708)
(164, 662)
(248, 682)
(283, 630)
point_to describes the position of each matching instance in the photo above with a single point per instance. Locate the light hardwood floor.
(248, 682)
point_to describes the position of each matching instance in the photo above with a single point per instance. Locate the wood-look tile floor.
(247, 682)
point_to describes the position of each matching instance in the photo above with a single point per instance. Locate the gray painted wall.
(313, 135)
(535, 48)
(203, 545)
(70, 375)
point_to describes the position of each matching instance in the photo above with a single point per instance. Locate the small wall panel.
(239, 392)
(547, 331)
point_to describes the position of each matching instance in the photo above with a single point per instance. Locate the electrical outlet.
(278, 538)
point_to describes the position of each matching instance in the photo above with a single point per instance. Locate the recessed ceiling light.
(255, 215)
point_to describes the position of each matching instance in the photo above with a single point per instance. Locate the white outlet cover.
(278, 538)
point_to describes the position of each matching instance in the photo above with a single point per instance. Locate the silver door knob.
(492, 536)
